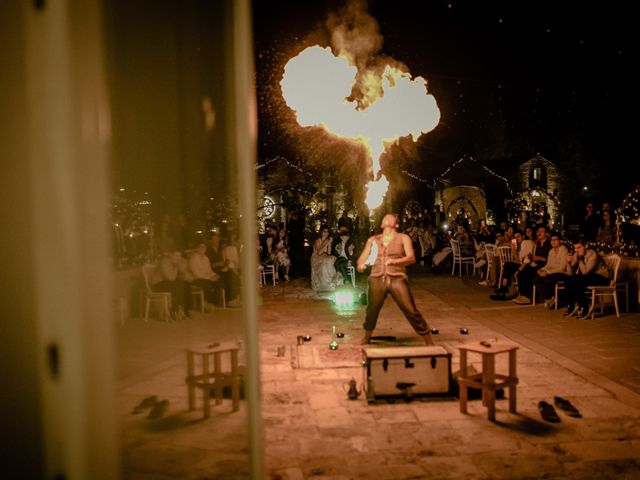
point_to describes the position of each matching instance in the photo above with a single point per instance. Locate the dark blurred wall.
(169, 100)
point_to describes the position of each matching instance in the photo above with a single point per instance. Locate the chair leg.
(146, 310)
(615, 303)
(167, 309)
(593, 303)
(533, 296)
(224, 299)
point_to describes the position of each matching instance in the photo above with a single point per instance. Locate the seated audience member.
(485, 235)
(528, 234)
(588, 227)
(323, 272)
(555, 270)
(588, 268)
(529, 269)
(173, 277)
(268, 246)
(427, 243)
(342, 248)
(230, 252)
(522, 253)
(607, 230)
(215, 253)
(414, 230)
(466, 241)
(494, 271)
(282, 253)
(442, 250)
(204, 276)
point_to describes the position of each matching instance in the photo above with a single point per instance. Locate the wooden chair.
(269, 270)
(559, 286)
(209, 376)
(199, 294)
(601, 292)
(163, 299)
(459, 259)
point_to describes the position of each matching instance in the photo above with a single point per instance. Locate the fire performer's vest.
(394, 250)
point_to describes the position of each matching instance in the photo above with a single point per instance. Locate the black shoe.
(567, 406)
(547, 412)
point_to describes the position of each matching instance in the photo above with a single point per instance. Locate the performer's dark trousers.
(398, 287)
(576, 286)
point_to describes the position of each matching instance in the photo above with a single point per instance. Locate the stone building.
(470, 187)
(539, 193)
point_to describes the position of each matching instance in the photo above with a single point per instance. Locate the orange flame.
(317, 85)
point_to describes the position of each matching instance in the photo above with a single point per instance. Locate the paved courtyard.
(312, 430)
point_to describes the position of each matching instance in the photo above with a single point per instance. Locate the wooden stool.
(486, 380)
(212, 381)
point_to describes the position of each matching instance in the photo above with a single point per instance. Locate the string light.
(268, 162)
(433, 184)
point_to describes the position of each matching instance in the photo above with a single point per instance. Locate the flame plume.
(368, 107)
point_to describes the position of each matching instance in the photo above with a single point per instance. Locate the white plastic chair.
(269, 270)
(459, 259)
(490, 251)
(352, 273)
(505, 254)
(161, 298)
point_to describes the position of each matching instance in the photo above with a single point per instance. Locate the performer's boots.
(367, 337)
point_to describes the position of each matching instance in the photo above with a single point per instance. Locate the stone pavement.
(312, 430)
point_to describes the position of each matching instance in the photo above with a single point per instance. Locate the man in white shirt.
(555, 270)
(203, 275)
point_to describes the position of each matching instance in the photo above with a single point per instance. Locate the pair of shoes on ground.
(578, 311)
(180, 314)
(522, 300)
(158, 408)
(549, 413)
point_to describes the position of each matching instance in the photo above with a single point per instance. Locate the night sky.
(511, 79)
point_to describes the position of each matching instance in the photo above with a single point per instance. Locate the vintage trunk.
(407, 371)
